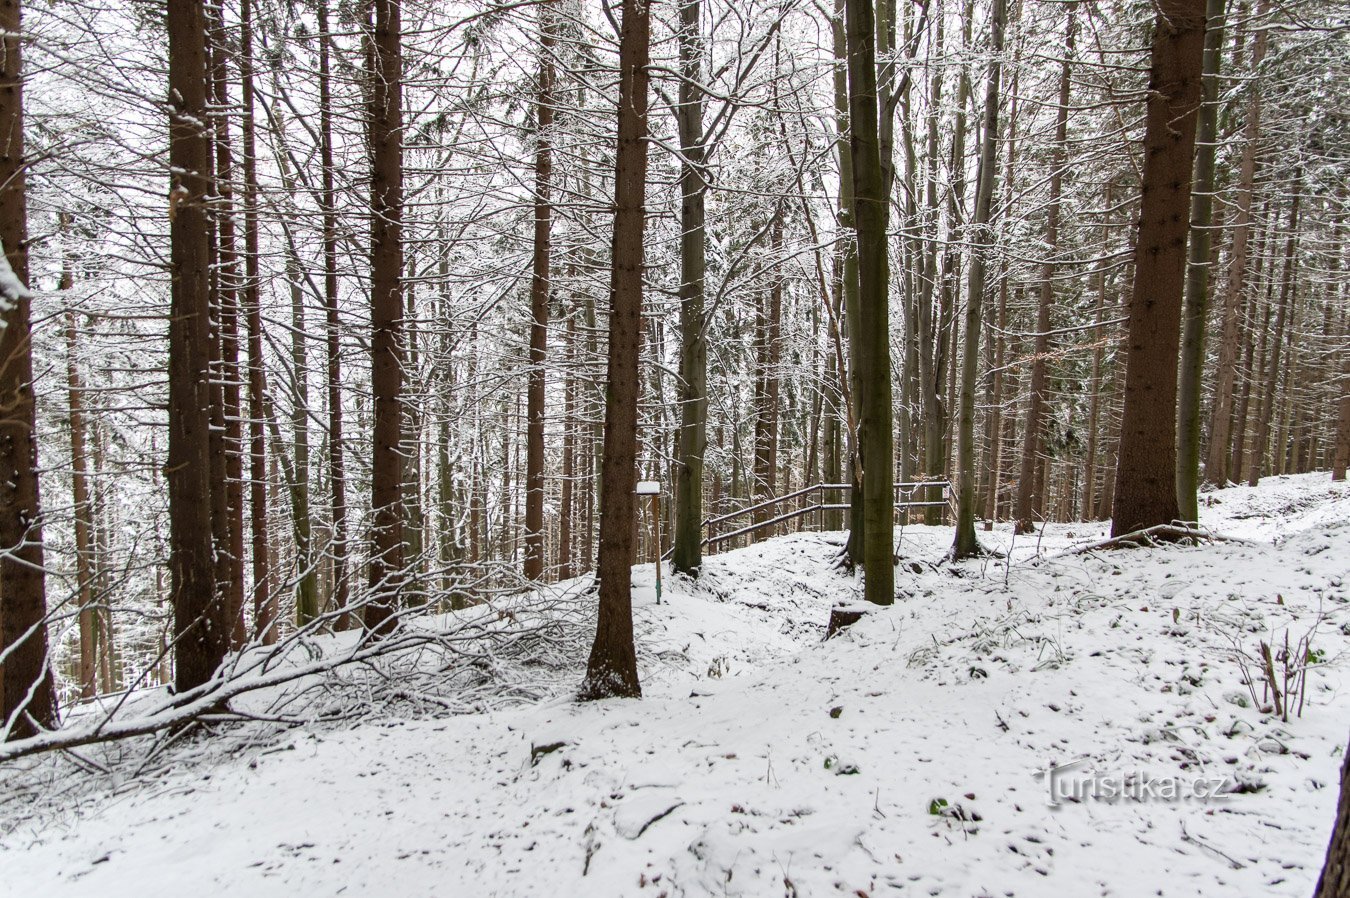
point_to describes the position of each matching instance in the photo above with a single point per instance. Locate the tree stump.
(844, 616)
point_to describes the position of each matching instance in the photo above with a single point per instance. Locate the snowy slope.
(764, 762)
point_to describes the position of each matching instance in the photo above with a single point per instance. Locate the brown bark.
(230, 540)
(337, 472)
(1089, 485)
(1272, 367)
(1027, 494)
(1334, 881)
(965, 544)
(27, 697)
(692, 437)
(611, 670)
(540, 284)
(1217, 461)
(1341, 458)
(768, 357)
(264, 601)
(1146, 476)
(81, 503)
(567, 499)
(201, 630)
(868, 139)
(385, 124)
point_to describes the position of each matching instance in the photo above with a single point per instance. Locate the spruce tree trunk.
(692, 439)
(929, 377)
(81, 503)
(337, 472)
(1341, 453)
(1196, 312)
(768, 352)
(1146, 488)
(873, 355)
(264, 601)
(27, 696)
(611, 670)
(540, 285)
(201, 632)
(965, 544)
(1272, 366)
(1027, 493)
(567, 499)
(1218, 468)
(230, 563)
(385, 124)
(848, 249)
(1334, 882)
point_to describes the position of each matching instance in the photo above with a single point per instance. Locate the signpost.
(653, 488)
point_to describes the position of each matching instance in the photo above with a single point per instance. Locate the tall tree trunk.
(768, 353)
(230, 563)
(1272, 367)
(965, 543)
(692, 440)
(847, 221)
(264, 599)
(83, 509)
(27, 696)
(873, 355)
(540, 284)
(567, 499)
(1087, 503)
(385, 123)
(1146, 489)
(929, 378)
(611, 670)
(1341, 454)
(1217, 468)
(337, 472)
(201, 631)
(82, 504)
(1027, 494)
(1196, 311)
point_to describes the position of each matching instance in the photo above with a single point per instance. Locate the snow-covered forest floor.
(905, 757)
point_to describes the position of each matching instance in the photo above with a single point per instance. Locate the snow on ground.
(905, 757)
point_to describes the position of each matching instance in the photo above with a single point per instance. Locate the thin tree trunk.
(1217, 468)
(337, 473)
(264, 600)
(81, 502)
(1196, 311)
(768, 352)
(1341, 458)
(1088, 504)
(540, 285)
(966, 543)
(1027, 494)
(230, 564)
(853, 549)
(1272, 368)
(692, 439)
(611, 670)
(1146, 488)
(567, 500)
